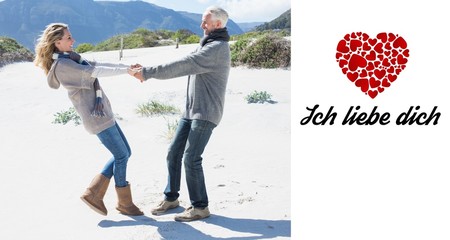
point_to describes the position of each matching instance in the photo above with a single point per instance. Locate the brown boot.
(125, 204)
(93, 196)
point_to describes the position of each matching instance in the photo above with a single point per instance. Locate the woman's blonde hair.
(45, 46)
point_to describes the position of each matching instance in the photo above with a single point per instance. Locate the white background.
(370, 182)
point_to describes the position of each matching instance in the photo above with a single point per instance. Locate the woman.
(54, 54)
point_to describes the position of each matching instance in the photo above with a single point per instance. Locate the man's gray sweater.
(208, 69)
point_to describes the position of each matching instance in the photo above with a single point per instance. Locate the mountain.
(281, 22)
(249, 26)
(90, 21)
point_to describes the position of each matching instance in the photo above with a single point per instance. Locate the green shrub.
(141, 38)
(237, 50)
(84, 47)
(8, 44)
(259, 97)
(130, 41)
(267, 51)
(155, 108)
(164, 34)
(11, 51)
(112, 43)
(192, 39)
(139, 41)
(143, 32)
(66, 116)
(259, 34)
(182, 35)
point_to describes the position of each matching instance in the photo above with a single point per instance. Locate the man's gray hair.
(218, 13)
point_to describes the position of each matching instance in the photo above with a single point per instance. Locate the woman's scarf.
(220, 34)
(98, 106)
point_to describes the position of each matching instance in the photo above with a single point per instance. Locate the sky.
(239, 10)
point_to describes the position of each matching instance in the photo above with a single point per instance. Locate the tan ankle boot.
(93, 196)
(125, 204)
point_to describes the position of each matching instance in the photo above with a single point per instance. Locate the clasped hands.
(135, 70)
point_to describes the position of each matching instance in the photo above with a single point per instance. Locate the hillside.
(281, 22)
(11, 51)
(91, 21)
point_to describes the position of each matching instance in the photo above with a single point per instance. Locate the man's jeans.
(188, 145)
(117, 144)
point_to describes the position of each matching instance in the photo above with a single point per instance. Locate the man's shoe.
(163, 206)
(192, 214)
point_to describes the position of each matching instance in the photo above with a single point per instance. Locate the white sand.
(46, 167)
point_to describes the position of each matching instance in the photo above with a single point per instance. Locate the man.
(207, 69)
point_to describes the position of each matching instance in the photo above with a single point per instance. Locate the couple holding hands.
(207, 69)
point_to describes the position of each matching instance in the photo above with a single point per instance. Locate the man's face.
(208, 25)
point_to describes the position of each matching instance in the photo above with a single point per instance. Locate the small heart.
(392, 77)
(385, 83)
(363, 83)
(352, 76)
(372, 93)
(356, 61)
(363, 73)
(374, 83)
(379, 73)
(401, 59)
(342, 47)
(355, 44)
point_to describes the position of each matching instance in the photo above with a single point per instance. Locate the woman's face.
(66, 43)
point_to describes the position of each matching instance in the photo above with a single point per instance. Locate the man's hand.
(140, 75)
(136, 71)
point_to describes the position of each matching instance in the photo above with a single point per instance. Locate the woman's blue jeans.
(188, 145)
(115, 141)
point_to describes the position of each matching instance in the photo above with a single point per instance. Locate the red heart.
(359, 56)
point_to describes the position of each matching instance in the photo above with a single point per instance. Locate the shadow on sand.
(253, 229)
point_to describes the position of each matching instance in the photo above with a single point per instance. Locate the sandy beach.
(46, 167)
